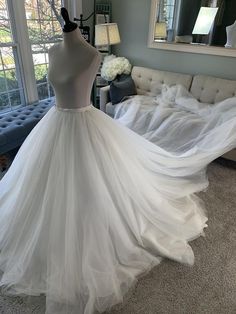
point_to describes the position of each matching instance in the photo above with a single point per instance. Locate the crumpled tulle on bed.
(181, 125)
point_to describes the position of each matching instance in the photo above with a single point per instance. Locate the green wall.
(132, 17)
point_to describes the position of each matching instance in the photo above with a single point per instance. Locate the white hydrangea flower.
(109, 58)
(115, 66)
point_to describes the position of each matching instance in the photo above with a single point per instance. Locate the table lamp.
(106, 34)
(160, 31)
(204, 21)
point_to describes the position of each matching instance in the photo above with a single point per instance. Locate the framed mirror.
(199, 26)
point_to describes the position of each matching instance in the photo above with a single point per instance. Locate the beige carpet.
(209, 287)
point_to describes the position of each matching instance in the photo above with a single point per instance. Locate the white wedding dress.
(88, 205)
(178, 123)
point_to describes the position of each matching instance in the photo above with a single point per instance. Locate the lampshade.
(160, 30)
(204, 20)
(106, 34)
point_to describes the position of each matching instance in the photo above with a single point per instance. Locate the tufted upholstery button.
(202, 88)
(137, 86)
(150, 79)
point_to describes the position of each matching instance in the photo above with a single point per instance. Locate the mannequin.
(231, 36)
(87, 204)
(73, 64)
(69, 25)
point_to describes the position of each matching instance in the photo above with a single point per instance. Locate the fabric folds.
(88, 206)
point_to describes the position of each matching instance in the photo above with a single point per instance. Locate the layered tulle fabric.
(87, 206)
(181, 125)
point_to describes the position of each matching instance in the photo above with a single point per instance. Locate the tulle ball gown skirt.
(87, 206)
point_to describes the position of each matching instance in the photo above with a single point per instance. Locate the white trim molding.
(191, 48)
(78, 9)
(20, 33)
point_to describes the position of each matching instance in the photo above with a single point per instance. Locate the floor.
(209, 287)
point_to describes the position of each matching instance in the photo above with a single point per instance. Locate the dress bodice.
(73, 64)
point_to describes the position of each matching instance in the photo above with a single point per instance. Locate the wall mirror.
(199, 26)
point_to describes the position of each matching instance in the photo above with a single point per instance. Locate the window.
(43, 22)
(167, 8)
(28, 28)
(11, 89)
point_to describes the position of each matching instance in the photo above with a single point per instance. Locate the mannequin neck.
(73, 37)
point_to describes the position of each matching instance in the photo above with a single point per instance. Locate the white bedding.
(181, 125)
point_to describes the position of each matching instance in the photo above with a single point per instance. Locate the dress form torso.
(231, 36)
(73, 65)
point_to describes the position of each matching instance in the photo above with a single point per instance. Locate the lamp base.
(160, 40)
(199, 44)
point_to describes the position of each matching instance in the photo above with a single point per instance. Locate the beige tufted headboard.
(209, 89)
(147, 80)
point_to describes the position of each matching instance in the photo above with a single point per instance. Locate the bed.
(206, 89)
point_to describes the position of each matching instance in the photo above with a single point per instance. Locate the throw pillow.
(121, 87)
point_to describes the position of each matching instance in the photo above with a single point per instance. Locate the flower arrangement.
(113, 66)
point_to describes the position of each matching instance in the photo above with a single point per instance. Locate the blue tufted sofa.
(17, 124)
